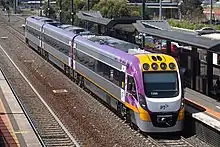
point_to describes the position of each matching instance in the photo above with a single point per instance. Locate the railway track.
(157, 142)
(179, 141)
(46, 124)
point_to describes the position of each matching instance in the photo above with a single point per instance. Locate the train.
(144, 88)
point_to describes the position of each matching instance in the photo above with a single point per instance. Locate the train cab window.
(131, 87)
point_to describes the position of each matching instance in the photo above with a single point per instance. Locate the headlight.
(182, 103)
(146, 66)
(154, 66)
(172, 66)
(163, 66)
(142, 101)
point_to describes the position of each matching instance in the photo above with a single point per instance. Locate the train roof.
(41, 19)
(74, 28)
(113, 42)
(116, 49)
(106, 50)
(57, 29)
(36, 21)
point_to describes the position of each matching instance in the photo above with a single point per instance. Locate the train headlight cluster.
(146, 66)
(155, 66)
(172, 66)
(163, 66)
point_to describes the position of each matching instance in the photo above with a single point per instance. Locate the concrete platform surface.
(207, 109)
(14, 125)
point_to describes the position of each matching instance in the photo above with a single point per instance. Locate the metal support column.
(143, 9)
(209, 72)
(99, 29)
(15, 6)
(168, 46)
(194, 67)
(61, 11)
(48, 8)
(143, 40)
(143, 18)
(211, 7)
(160, 10)
(40, 7)
(72, 13)
(88, 5)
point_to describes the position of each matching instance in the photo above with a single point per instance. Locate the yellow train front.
(159, 94)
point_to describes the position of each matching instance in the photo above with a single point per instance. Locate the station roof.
(124, 23)
(155, 28)
(156, 24)
(184, 38)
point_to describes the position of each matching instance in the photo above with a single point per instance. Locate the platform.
(205, 112)
(209, 105)
(208, 108)
(14, 126)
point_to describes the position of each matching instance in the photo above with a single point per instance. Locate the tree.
(113, 8)
(52, 11)
(67, 8)
(2, 2)
(108, 8)
(192, 9)
(135, 13)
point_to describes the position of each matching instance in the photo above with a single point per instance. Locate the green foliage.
(108, 8)
(188, 25)
(135, 13)
(52, 10)
(192, 10)
(113, 8)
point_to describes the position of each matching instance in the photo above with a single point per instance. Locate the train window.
(34, 32)
(56, 44)
(79, 57)
(131, 88)
(85, 60)
(106, 71)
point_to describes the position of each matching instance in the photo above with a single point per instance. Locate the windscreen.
(161, 84)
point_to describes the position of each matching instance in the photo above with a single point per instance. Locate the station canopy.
(155, 28)
(120, 23)
(161, 29)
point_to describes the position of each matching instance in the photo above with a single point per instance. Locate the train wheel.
(26, 41)
(39, 50)
(122, 110)
(125, 114)
(66, 70)
(46, 56)
(81, 82)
